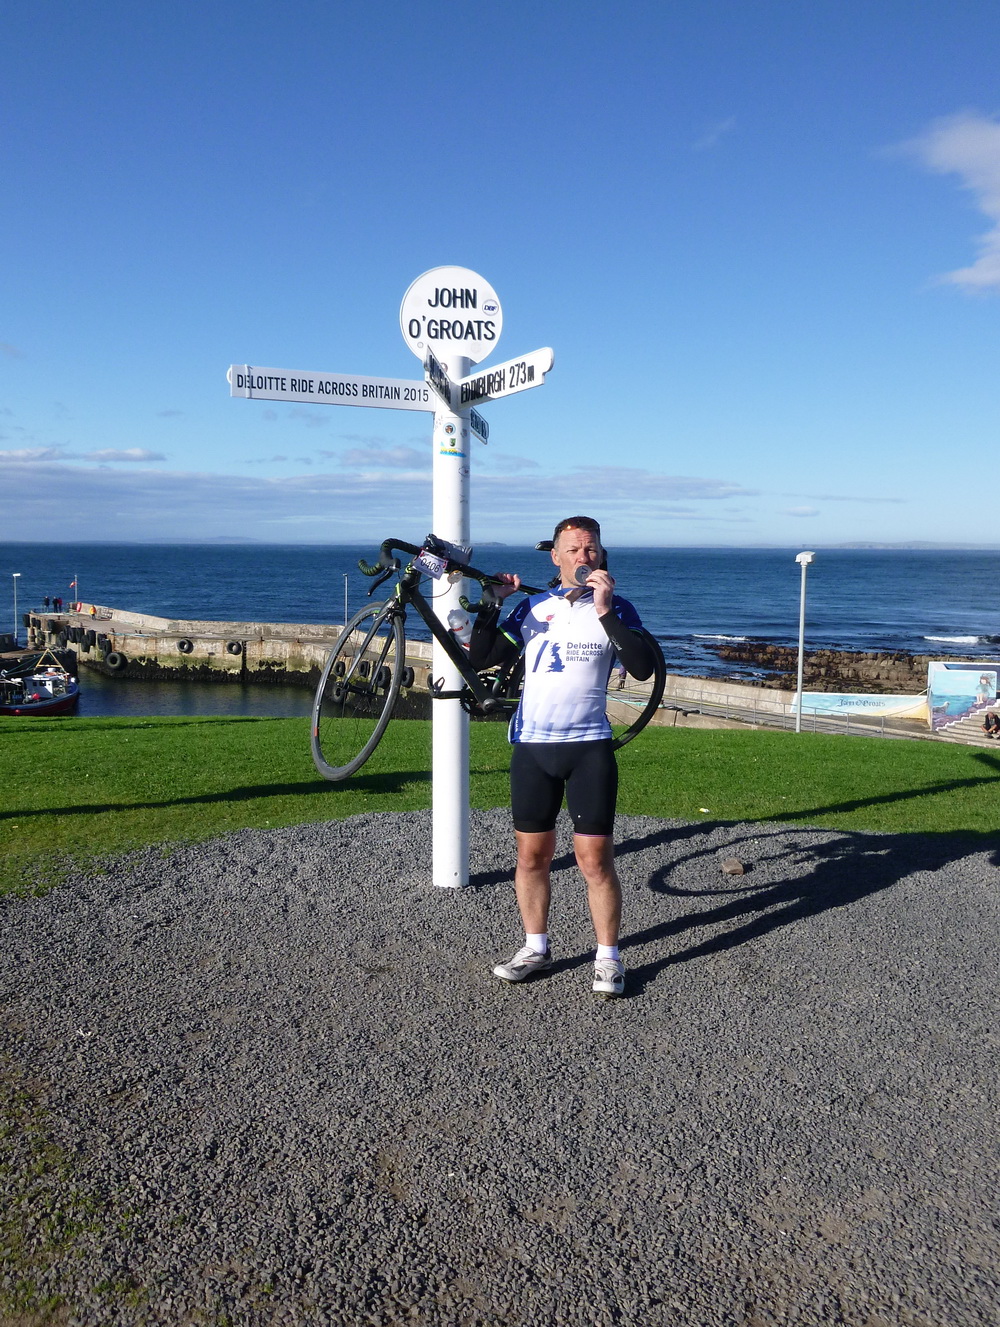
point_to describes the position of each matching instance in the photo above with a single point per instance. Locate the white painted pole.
(15, 575)
(803, 559)
(450, 723)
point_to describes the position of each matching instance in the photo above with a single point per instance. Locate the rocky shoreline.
(898, 674)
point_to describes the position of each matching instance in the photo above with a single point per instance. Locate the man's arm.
(488, 645)
(632, 650)
(630, 647)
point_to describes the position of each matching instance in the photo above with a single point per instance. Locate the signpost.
(451, 319)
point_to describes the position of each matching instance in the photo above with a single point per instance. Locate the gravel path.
(293, 1093)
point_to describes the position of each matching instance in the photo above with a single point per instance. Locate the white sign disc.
(451, 311)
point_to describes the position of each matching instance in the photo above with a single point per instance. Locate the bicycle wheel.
(630, 708)
(357, 691)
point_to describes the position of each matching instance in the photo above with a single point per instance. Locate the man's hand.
(603, 586)
(510, 583)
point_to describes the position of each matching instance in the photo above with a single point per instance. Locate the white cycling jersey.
(567, 662)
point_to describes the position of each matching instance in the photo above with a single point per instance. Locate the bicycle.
(361, 682)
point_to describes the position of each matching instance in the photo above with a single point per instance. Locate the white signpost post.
(451, 319)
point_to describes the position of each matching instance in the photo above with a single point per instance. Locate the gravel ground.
(292, 1092)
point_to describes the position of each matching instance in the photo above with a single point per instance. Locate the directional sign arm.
(516, 375)
(329, 388)
(436, 375)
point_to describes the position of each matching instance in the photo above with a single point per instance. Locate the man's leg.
(532, 882)
(595, 856)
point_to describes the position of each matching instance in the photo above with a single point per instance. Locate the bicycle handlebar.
(388, 563)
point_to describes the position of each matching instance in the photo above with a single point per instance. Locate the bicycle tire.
(350, 711)
(623, 729)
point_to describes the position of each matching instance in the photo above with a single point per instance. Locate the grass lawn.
(78, 789)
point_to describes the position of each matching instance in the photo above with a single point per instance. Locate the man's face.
(576, 548)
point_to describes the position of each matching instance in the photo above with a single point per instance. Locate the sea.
(922, 601)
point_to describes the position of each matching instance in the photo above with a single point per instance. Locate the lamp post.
(15, 575)
(803, 559)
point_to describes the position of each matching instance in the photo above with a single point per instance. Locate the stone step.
(968, 732)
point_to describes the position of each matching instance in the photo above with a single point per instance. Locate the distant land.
(917, 544)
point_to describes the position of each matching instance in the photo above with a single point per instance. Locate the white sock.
(607, 951)
(539, 943)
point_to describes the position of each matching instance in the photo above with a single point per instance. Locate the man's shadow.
(830, 874)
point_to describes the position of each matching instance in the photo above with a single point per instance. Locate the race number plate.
(431, 564)
(434, 564)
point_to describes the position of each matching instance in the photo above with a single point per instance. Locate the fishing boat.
(38, 685)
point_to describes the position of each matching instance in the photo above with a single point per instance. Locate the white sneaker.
(525, 963)
(609, 977)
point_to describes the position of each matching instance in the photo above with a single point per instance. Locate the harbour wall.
(141, 646)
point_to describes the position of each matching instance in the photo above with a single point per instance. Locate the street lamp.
(15, 575)
(803, 559)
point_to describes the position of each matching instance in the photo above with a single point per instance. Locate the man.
(570, 637)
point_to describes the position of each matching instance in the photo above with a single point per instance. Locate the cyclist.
(570, 636)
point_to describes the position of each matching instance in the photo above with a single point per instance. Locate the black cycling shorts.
(540, 772)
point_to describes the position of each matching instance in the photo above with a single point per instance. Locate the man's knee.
(535, 851)
(595, 855)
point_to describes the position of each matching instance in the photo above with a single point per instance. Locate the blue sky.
(763, 241)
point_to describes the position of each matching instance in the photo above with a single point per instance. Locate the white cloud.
(128, 454)
(968, 145)
(801, 511)
(49, 454)
(714, 134)
(838, 497)
(50, 498)
(376, 457)
(32, 454)
(313, 419)
(506, 463)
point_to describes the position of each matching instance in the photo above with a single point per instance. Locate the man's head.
(577, 543)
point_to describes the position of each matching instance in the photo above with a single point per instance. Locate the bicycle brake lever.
(389, 571)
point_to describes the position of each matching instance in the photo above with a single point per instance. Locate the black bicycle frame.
(487, 694)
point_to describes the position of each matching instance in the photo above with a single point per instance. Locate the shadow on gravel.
(838, 873)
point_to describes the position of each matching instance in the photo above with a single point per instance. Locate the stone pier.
(140, 645)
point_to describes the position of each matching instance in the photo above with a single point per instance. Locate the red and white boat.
(40, 685)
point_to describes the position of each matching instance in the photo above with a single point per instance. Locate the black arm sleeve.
(489, 646)
(630, 647)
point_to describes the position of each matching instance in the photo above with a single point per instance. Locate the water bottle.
(460, 623)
